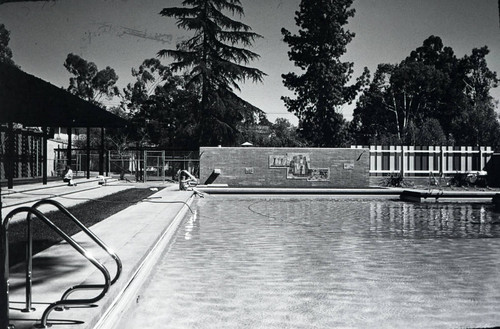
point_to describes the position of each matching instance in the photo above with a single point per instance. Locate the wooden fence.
(427, 160)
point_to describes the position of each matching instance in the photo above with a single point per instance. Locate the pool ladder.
(64, 302)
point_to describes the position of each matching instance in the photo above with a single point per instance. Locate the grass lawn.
(89, 213)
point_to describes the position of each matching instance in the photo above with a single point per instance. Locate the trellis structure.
(32, 102)
(28, 153)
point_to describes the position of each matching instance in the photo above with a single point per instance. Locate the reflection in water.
(434, 220)
(191, 226)
(326, 263)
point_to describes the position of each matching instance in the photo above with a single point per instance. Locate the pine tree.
(322, 89)
(216, 64)
(5, 51)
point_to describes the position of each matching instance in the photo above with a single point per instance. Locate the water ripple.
(326, 263)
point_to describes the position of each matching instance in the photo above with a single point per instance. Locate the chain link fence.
(140, 165)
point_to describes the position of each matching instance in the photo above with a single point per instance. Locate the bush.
(464, 180)
(395, 180)
(458, 180)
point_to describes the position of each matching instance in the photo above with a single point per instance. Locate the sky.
(122, 33)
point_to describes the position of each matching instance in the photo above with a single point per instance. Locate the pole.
(29, 266)
(44, 157)
(107, 162)
(402, 162)
(4, 276)
(88, 152)
(137, 159)
(163, 166)
(441, 162)
(10, 155)
(144, 168)
(101, 154)
(68, 150)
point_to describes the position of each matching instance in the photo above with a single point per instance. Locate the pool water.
(281, 262)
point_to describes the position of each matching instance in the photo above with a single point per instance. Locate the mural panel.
(278, 161)
(319, 175)
(298, 166)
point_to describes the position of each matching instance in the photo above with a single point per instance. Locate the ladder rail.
(88, 232)
(85, 253)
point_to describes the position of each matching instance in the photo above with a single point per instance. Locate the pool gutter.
(316, 191)
(404, 194)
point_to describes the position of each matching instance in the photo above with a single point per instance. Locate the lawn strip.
(89, 213)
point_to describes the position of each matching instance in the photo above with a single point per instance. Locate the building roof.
(32, 101)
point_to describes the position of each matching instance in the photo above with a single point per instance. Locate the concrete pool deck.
(28, 194)
(133, 233)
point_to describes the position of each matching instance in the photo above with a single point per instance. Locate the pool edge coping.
(404, 194)
(110, 317)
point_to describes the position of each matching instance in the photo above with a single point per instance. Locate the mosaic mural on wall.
(298, 166)
(278, 161)
(319, 175)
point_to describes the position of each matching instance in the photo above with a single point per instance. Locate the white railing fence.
(427, 160)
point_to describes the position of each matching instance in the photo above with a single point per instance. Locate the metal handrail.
(94, 237)
(70, 241)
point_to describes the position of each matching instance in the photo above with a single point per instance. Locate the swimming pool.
(313, 262)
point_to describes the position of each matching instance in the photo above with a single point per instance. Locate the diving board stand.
(213, 176)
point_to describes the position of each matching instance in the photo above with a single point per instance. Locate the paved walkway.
(26, 195)
(132, 233)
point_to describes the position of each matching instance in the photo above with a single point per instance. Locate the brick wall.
(286, 167)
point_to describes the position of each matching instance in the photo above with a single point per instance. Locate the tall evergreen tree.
(322, 89)
(216, 63)
(5, 51)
